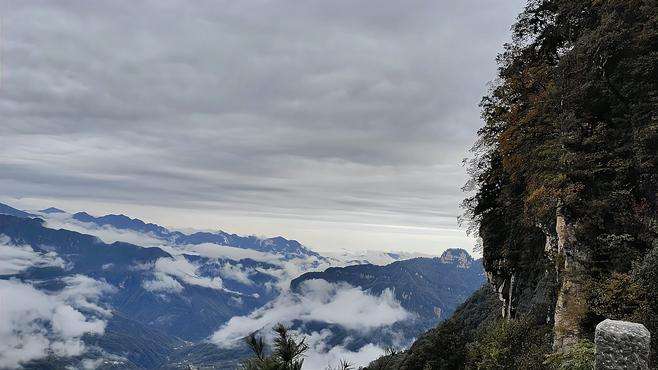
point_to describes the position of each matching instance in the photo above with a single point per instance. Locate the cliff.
(563, 188)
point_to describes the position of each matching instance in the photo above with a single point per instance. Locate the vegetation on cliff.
(568, 158)
(563, 186)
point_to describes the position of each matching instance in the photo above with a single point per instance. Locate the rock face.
(457, 256)
(503, 285)
(622, 345)
(571, 306)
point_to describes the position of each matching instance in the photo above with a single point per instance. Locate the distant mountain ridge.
(279, 245)
(52, 210)
(11, 211)
(430, 287)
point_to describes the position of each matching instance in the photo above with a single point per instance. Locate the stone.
(622, 345)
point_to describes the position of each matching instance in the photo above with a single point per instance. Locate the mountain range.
(186, 299)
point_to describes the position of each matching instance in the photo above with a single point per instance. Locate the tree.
(287, 354)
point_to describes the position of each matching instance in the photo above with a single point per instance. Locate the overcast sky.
(340, 123)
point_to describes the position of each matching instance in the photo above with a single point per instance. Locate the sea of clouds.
(320, 301)
(42, 323)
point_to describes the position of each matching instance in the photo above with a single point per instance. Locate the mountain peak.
(457, 256)
(52, 210)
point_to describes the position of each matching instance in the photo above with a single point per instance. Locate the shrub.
(510, 344)
(578, 357)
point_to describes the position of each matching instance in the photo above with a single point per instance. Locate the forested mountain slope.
(430, 287)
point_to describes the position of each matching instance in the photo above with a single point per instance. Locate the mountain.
(151, 293)
(277, 245)
(445, 346)
(430, 287)
(52, 210)
(342, 307)
(476, 334)
(351, 257)
(162, 306)
(7, 210)
(123, 222)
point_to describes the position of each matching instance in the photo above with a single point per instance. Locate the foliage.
(646, 276)
(445, 347)
(620, 297)
(510, 344)
(287, 354)
(342, 365)
(578, 357)
(571, 125)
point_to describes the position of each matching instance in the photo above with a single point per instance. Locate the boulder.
(622, 345)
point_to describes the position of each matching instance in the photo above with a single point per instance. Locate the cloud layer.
(338, 304)
(36, 324)
(319, 301)
(249, 112)
(17, 258)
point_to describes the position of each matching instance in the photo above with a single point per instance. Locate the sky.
(342, 124)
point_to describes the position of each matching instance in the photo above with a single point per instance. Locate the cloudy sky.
(338, 123)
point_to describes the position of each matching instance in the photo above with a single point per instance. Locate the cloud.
(236, 272)
(320, 354)
(162, 283)
(318, 301)
(109, 234)
(329, 111)
(36, 324)
(350, 257)
(90, 364)
(180, 268)
(167, 270)
(217, 251)
(17, 258)
(283, 270)
(83, 292)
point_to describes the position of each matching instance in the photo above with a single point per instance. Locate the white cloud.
(182, 269)
(16, 258)
(283, 271)
(83, 292)
(320, 354)
(318, 300)
(90, 364)
(236, 272)
(347, 257)
(35, 324)
(216, 251)
(69, 322)
(162, 283)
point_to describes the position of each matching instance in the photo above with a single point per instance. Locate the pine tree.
(287, 354)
